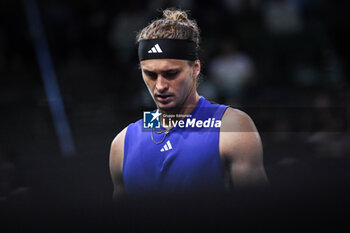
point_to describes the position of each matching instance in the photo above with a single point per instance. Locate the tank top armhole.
(223, 109)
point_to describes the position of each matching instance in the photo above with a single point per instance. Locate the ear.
(196, 68)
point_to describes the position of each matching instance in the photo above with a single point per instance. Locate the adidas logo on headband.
(155, 49)
(167, 49)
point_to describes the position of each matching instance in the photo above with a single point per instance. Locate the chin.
(169, 107)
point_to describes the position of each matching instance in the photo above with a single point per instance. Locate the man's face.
(170, 81)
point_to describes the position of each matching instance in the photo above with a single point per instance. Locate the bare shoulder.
(235, 120)
(238, 135)
(119, 139)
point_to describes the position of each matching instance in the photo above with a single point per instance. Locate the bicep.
(246, 167)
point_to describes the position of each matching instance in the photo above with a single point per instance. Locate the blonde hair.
(175, 24)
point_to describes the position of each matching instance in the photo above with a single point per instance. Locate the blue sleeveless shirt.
(187, 160)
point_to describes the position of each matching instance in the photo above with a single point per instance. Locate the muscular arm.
(116, 164)
(240, 146)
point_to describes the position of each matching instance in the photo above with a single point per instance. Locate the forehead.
(156, 65)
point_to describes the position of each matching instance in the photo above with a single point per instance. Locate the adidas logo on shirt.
(166, 147)
(155, 49)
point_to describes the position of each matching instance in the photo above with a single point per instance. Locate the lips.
(163, 98)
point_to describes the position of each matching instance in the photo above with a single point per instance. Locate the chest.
(184, 148)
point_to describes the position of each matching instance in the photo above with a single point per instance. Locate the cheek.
(183, 86)
(148, 84)
(188, 82)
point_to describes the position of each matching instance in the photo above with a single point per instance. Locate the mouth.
(164, 98)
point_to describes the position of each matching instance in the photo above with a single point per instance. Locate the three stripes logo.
(155, 49)
(166, 147)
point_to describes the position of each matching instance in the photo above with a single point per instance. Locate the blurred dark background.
(284, 62)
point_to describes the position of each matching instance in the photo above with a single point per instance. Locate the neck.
(179, 113)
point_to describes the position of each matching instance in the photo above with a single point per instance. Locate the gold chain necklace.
(159, 132)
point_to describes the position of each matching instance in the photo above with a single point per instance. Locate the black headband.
(167, 48)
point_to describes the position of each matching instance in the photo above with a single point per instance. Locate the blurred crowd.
(272, 56)
(245, 43)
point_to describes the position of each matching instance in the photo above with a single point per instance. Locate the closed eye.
(150, 74)
(170, 73)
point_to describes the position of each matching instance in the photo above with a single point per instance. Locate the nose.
(161, 84)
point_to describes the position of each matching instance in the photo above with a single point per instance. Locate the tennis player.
(197, 146)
